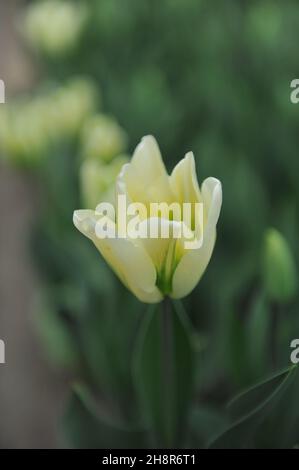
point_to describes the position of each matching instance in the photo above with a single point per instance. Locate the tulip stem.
(275, 315)
(168, 370)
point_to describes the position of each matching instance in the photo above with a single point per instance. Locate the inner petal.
(165, 245)
(145, 178)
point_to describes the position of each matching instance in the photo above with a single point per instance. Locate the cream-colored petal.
(191, 268)
(194, 262)
(145, 178)
(161, 233)
(164, 242)
(129, 260)
(133, 266)
(85, 221)
(211, 190)
(183, 180)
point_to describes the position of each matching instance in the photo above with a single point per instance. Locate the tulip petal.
(145, 178)
(167, 230)
(85, 221)
(183, 180)
(165, 245)
(212, 199)
(194, 262)
(127, 258)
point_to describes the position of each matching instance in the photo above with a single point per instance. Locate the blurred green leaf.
(258, 334)
(56, 337)
(238, 349)
(281, 427)
(205, 423)
(254, 396)
(163, 367)
(250, 408)
(106, 342)
(86, 427)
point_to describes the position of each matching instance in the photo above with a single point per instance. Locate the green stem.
(168, 371)
(275, 317)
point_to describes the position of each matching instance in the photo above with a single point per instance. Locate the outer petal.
(194, 262)
(130, 261)
(183, 180)
(145, 179)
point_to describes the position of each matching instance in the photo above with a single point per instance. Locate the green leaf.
(258, 330)
(107, 348)
(205, 423)
(238, 350)
(56, 337)
(287, 420)
(250, 408)
(163, 368)
(257, 395)
(85, 425)
(281, 427)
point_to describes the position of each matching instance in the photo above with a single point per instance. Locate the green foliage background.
(212, 77)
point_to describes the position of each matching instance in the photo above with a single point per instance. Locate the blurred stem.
(167, 370)
(275, 314)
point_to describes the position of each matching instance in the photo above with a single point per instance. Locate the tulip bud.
(70, 105)
(54, 27)
(279, 269)
(22, 136)
(28, 127)
(103, 138)
(97, 180)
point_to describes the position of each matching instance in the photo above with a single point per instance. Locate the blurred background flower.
(31, 126)
(97, 180)
(279, 268)
(54, 27)
(102, 138)
(85, 81)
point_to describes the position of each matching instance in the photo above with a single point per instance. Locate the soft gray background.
(32, 395)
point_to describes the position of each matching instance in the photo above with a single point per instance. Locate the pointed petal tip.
(212, 186)
(148, 138)
(84, 221)
(217, 190)
(148, 142)
(190, 156)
